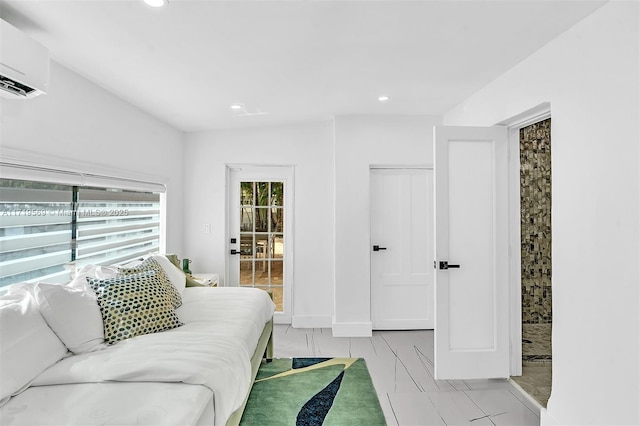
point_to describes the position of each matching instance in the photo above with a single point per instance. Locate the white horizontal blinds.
(116, 226)
(35, 231)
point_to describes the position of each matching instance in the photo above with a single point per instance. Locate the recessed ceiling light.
(156, 3)
(383, 98)
(237, 106)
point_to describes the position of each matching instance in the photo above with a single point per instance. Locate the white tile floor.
(401, 367)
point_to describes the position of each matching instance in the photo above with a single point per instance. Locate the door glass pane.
(277, 220)
(261, 272)
(261, 246)
(246, 272)
(246, 194)
(262, 193)
(246, 246)
(246, 219)
(262, 219)
(277, 194)
(277, 246)
(276, 272)
(270, 247)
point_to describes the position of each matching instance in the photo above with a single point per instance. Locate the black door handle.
(445, 265)
(378, 248)
(234, 251)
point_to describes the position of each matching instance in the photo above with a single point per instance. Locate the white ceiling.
(293, 60)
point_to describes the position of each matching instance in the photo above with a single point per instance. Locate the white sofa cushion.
(27, 345)
(73, 314)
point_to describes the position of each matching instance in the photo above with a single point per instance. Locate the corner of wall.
(547, 419)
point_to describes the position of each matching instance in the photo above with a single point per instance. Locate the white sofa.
(57, 365)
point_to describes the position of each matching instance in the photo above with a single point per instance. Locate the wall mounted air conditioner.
(24, 64)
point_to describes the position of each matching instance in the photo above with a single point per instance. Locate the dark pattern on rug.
(306, 362)
(313, 392)
(315, 410)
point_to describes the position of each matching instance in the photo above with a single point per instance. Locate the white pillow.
(92, 271)
(27, 344)
(131, 263)
(73, 314)
(175, 275)
(18, 291)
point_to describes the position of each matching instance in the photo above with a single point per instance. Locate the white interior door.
(402, 248)
(259, 246)
(471, 222)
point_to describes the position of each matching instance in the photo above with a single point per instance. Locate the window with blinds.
(44, 227)
(35, 231)
(116, 226)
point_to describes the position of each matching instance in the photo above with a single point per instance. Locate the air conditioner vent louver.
(14, 87)
(24, 64)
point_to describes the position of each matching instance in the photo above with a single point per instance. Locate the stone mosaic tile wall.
(535, 222)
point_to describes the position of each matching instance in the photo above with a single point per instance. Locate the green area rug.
(313, 391)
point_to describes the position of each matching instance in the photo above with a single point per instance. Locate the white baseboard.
(311, 321)
(526, 398)
(352, 329)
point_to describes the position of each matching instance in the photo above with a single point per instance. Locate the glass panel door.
(262, 237)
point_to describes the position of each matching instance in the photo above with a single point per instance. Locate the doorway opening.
(535, 251)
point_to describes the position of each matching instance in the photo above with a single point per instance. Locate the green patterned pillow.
(132, 305)
(150, 264)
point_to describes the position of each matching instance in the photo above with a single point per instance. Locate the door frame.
(514, 124)
(425, 166)
(287, 173)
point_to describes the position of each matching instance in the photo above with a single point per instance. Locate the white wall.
(80, 126)
(331, 162)
(309, 148)
(362, 141)
(590, 75)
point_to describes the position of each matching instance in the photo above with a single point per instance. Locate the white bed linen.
(110, 403)
(239, 312)
(213, 348)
